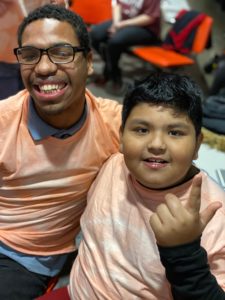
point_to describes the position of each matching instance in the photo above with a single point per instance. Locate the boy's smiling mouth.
(155, 163)
(157, 160)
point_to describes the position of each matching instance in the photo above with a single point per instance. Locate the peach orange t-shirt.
(118, 256)
(43, 184)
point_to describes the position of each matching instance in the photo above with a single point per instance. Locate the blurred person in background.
(134, 22)
(11, 14)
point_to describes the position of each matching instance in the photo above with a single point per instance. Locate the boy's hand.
(175, 224)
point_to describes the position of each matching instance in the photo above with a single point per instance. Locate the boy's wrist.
(180, 250)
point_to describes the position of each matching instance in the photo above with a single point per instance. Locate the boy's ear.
(198, 144)
(121, 143)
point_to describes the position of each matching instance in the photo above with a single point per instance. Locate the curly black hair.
(59, 13)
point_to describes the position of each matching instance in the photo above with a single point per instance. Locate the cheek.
(128, 152)
(132, 156)
(25, 72)
(184, 155)
(131, 148)
(79, 70)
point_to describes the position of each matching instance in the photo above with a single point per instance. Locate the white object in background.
(210, 160)
(170, 8)
(221, 176)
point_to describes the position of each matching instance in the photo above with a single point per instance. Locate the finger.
(164, 213)
(209, 212)
(194, 201)
(174, 205)
(155, 223)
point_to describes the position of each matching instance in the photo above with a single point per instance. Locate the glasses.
(60, 54)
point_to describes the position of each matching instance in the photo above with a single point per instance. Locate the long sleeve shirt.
(189, 274)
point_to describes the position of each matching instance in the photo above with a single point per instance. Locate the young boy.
(160, 137)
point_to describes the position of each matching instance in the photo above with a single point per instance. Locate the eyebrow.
(178, 125)
(53, 45)
(139, 121)
(169, 126)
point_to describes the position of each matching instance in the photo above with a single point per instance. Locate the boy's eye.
(141, 130)
(176, 133)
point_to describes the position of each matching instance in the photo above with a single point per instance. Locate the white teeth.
(156, 160)
(48, 88)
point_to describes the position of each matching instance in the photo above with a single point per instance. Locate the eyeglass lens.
(57, 54)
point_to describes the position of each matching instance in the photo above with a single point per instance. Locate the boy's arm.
(189, 274)
(178, 229)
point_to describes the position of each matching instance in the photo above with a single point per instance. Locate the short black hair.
(178, 92)
(60, 13)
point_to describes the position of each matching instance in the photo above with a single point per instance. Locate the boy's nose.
(156, 142)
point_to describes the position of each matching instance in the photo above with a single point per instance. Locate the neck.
(62, 120)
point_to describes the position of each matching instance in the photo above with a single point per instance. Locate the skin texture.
(175, 224)
(61, 107)
(153, 143)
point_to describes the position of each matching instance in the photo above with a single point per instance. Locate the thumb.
(207, 214)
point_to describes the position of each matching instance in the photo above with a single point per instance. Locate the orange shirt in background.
(12, 13)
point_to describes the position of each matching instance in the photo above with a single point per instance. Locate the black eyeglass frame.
(46, 50)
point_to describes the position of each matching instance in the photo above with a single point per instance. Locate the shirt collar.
(40, 129)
